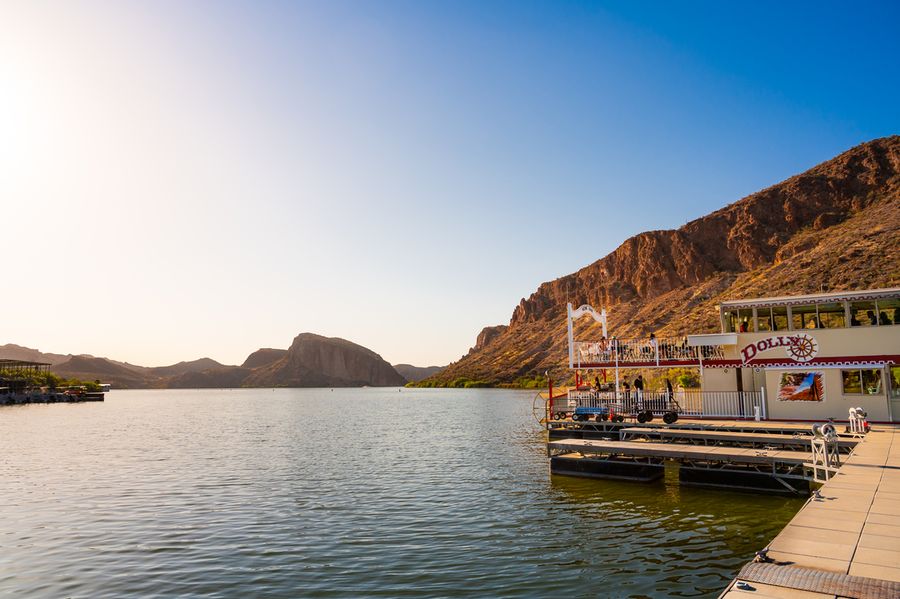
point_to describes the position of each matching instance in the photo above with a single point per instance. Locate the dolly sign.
(800, 347)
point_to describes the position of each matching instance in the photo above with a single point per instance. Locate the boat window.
(862, 382)
(738, 320)
(730, 318)
(764, 319)
(895, 382)
(871, 381)
(831, 315)
(862, 314)
(888, 311)
(804, 317)
(779, 318)
(852, 382)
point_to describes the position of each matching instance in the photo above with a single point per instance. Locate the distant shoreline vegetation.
(51, 381)
(685, 378)
(524, 382)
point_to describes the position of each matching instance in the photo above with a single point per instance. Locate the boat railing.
(643, 350)
(688, 403)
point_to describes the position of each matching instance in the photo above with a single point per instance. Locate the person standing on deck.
(639, 392)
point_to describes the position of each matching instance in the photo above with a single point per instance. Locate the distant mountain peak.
(317, 361)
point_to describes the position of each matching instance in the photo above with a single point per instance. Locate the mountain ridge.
(325, 361)
(669, 281)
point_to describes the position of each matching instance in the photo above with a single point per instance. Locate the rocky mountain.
(186, 367)
(88, 368)
(316, 361)
(263, 357)
(311, 361)
(415, 374)
(223, 377)
(833, 227)
(11, 351)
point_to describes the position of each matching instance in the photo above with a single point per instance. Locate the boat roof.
(835, 296)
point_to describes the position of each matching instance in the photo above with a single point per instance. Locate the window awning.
(712, 339)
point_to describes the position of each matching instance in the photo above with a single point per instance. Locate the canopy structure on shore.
(22, 368)
(14, 374)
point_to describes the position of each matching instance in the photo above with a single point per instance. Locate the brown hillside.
(11, 351)
(186, 367)
(836, 226)
(90, 368)
(263, 357)
(213, 378)
(414, 374)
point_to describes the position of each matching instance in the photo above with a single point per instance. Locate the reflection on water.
(370, 492)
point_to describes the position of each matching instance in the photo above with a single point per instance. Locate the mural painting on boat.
(801, 386)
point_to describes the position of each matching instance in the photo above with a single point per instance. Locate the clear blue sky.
(207, 178)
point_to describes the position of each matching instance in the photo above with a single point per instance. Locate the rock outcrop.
(186, 367)
(487, 335)
(316, 361)
(836, 225)
(414, 374)
(263, 357)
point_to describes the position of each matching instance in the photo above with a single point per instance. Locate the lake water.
(344, 493)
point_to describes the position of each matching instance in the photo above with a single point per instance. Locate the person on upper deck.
(872, 319)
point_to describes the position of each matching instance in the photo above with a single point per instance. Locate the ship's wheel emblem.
(803, 347)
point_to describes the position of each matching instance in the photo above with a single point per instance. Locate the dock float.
(845, 541)
(779, 471)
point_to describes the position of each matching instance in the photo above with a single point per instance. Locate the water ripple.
(349, 493)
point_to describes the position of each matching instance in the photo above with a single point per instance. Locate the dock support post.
(765, 411)
(571, 336)
(616, 352)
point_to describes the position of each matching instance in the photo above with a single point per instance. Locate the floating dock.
(845, 542)
(567, 429)
(14, 399)
(779, 471)
(796, 442)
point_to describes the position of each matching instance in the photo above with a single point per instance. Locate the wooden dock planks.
(853, 529)
(724, 437)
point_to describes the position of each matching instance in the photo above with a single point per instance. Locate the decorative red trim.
(885, 359)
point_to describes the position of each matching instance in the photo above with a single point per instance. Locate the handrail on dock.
(696, 404)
